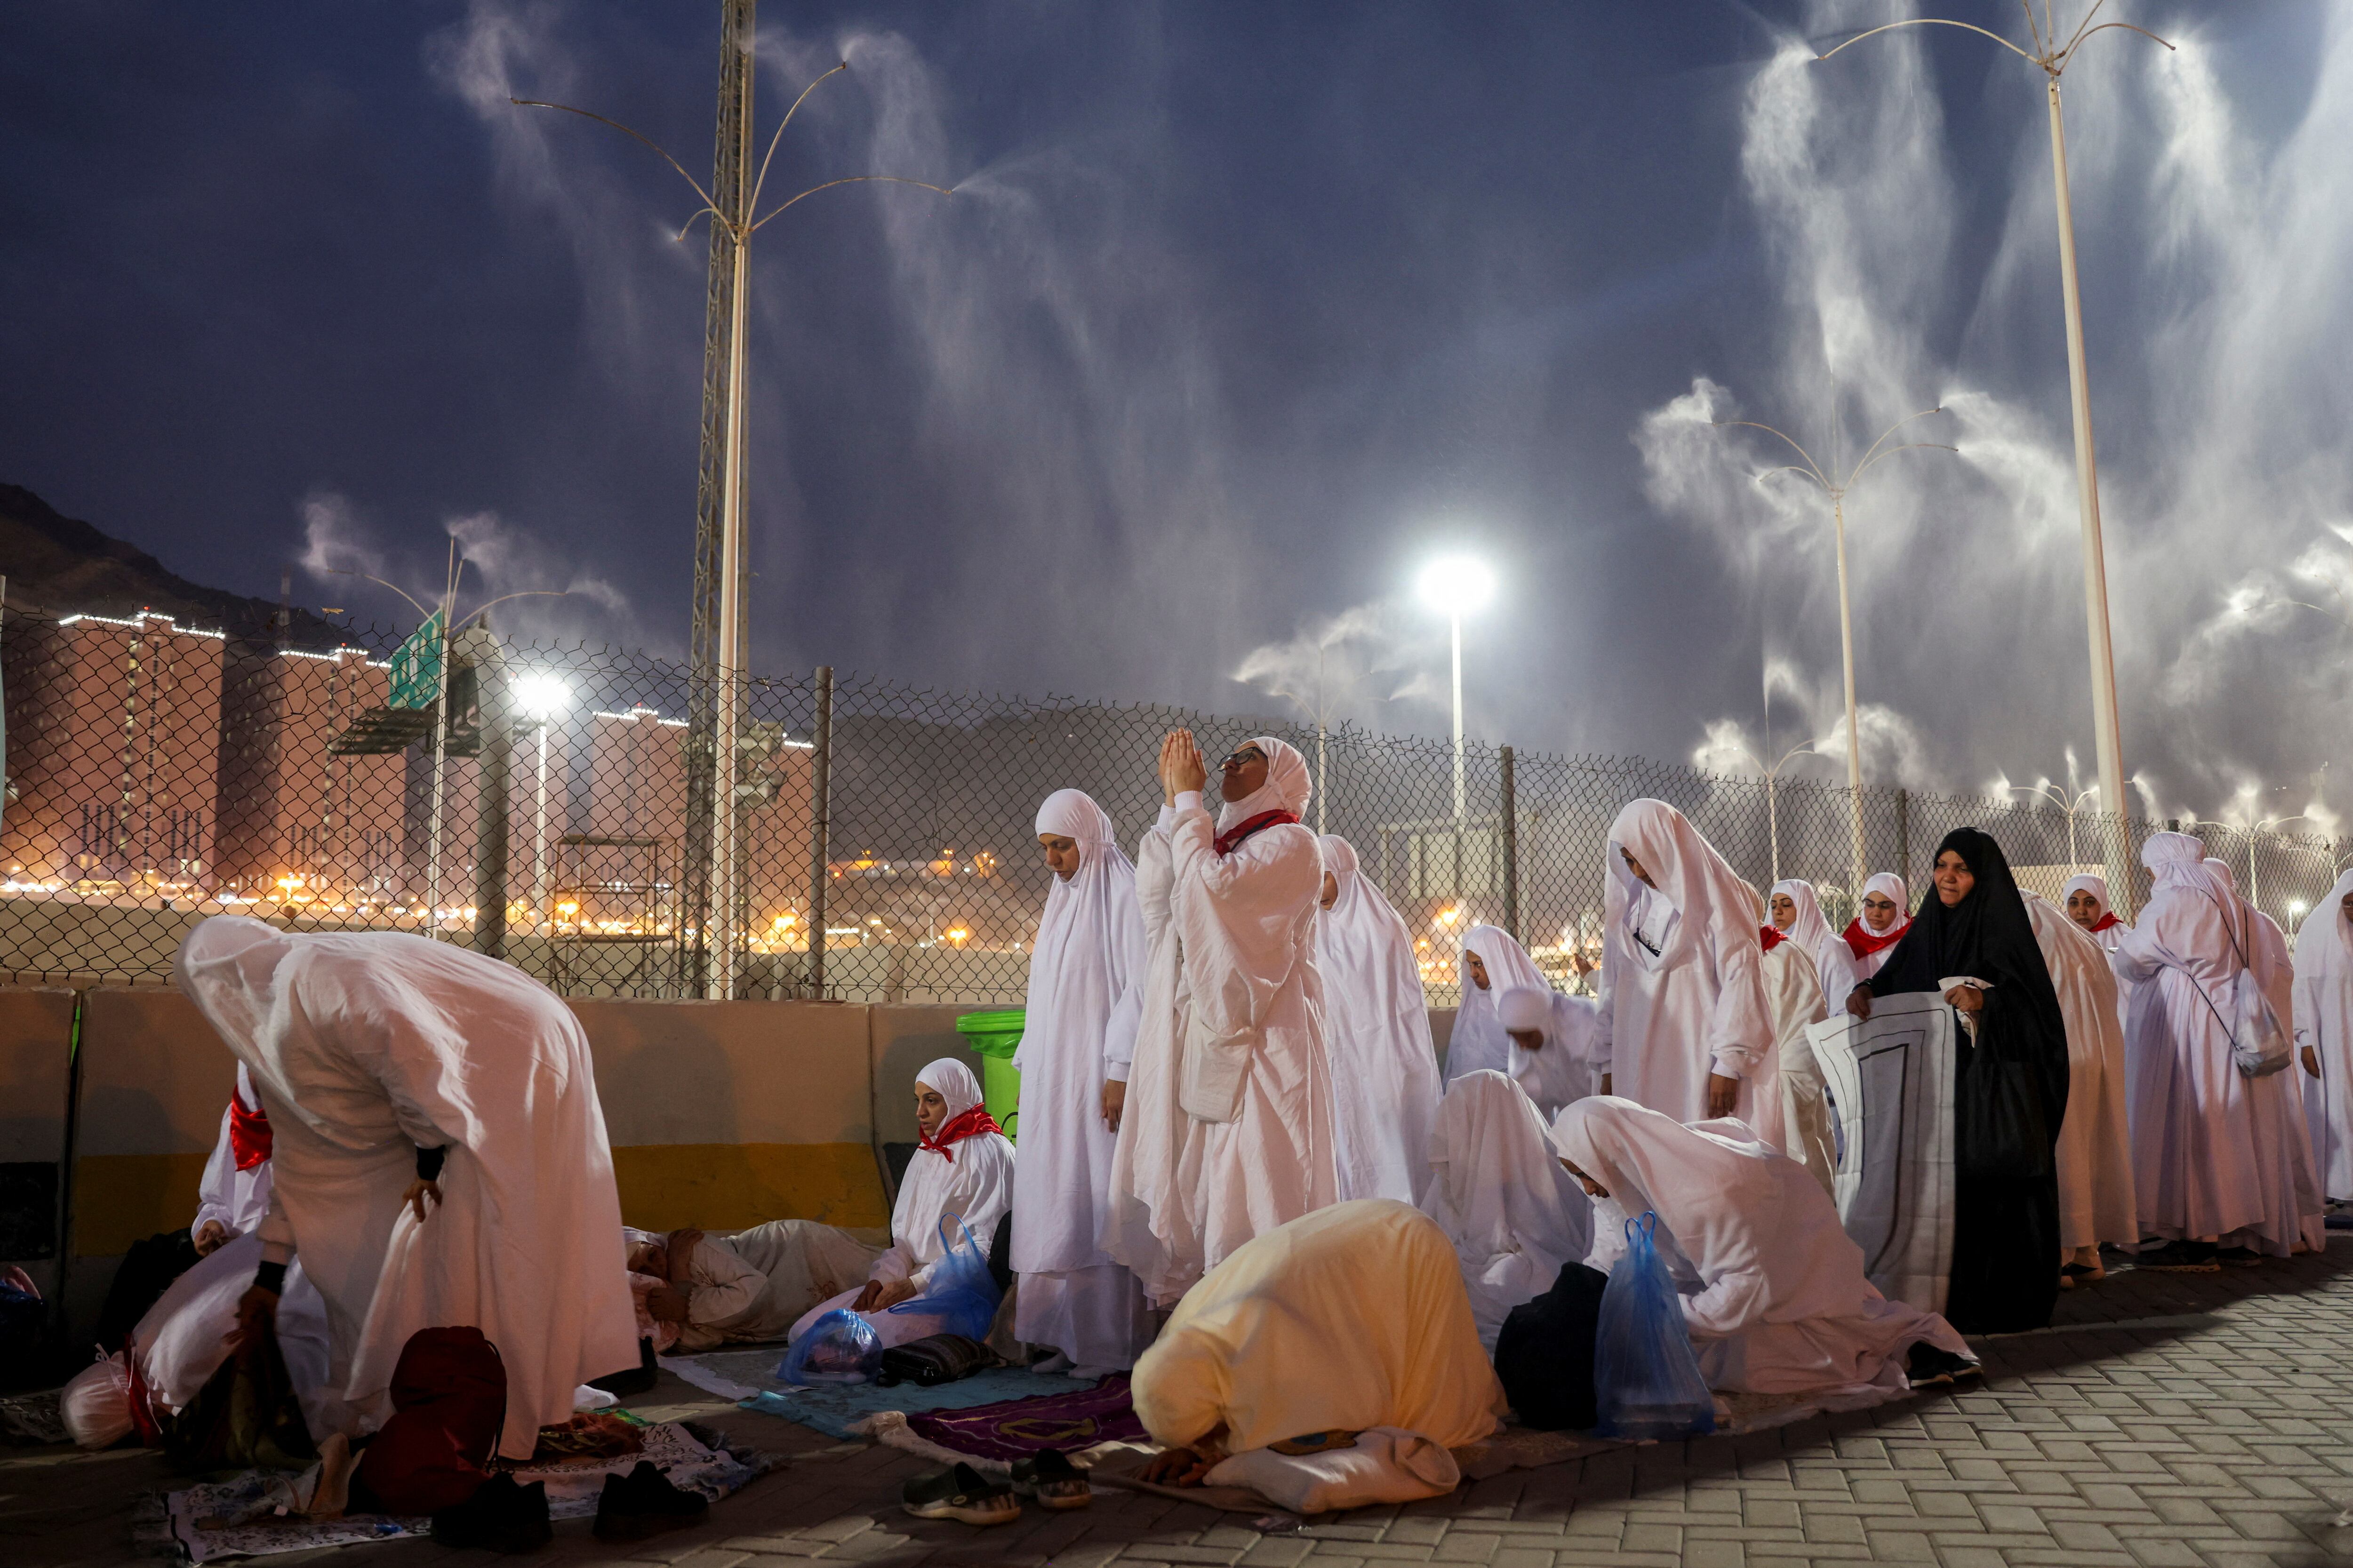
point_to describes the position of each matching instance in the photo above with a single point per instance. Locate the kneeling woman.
(964, 1167)
(1345, 1321)
(1783, 1306)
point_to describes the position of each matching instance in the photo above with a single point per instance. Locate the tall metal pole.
(1853, 736)
(1461, 807)
(2052, 58)
(820, 829)
(2106, 733)
(539, 838)
(719, 976)
(1508, 806)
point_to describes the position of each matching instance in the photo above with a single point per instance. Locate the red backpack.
(449, 1403)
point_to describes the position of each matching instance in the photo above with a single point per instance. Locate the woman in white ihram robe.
(1793, 994)
(1683, 989)
(1377, 1034)
(1086, 978)
(1514, 1216)
(1227, 1130)
(366, 1047)
(1871, 949)
(2209, 1163)
(2324, 1035)
(1834, 965)
(1782, 1305)
(231, 1199)
(2094, 1148)
(1479, 1042)
(968, 1174)
(1553, 1044)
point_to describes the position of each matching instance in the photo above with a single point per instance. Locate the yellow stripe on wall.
(123, 1198)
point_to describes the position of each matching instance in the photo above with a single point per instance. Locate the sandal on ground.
(960, 1493)
(1928, 1366)
(2072, 1275)
(2240, 1257)
(2180, 1257)
(1052, 1482)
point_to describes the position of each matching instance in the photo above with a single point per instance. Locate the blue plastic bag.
(1646, 1381)
(964, 1293)
(840, 1347)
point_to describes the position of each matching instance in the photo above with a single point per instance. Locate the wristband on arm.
(428, 1164)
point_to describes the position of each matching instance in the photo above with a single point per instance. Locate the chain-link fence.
(883, 837)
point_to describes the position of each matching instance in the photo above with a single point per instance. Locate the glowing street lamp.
(541, 696)
(1455, 585)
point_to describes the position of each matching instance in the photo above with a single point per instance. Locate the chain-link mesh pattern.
(157, 775)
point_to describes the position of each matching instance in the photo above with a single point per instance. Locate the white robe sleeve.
(725, 1285)
(1740, 1029)
(1247, 930)
(213, 1194)
(2136, 959)
(1608, 992)
(1155, 879)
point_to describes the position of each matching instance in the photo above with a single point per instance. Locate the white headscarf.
(1513, 1215)
(1288, 785)
(1479, 1042)
(1891, 885)
(2179, 860)
(2090, 882)
(1090, 945)
(977, 1184)
(1833, 960)
(1688, 873)
(2324, 955)
(1384, 1065)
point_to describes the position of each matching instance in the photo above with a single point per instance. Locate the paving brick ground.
(2168, 1421)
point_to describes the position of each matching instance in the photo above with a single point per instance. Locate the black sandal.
(960, 1493)
(1052, 1482)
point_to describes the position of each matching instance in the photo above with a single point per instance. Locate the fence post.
(1902, 843)
(820, 828)
(490, 823)
(1511, 819)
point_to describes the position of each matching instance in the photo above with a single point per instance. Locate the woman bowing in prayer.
(1349, 1320)
(1872, 935)
(1495, 1189)
(1492, 962)
(1553, 1044)
(1685, 1029)
(1226, 1131)
(1783, 1306)
(1086, 976)
(2324, 1035)
(438, 1158)
(1798, 916)
(1974, 942)
(1377, 1034)
(963, 1168)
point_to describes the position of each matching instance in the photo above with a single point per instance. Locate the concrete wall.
(722, 1114)
(35, 1032)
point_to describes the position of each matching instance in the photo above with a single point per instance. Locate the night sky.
(1239, 314)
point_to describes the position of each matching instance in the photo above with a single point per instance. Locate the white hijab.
(1833, 960)
(1288, 786)
(1090, 948)
(1384, 1065)
(1711, 900)
(2324, 942)
(1478, 1043)
(1514, 1216)
(2090, 882)
(971, 1178)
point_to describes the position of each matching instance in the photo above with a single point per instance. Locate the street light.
(541, 696)
(1772, 810)
(736, 214)
(1455, 585)
(2070, 803)
(1836, 490)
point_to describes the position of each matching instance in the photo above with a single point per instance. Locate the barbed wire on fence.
(158, 773)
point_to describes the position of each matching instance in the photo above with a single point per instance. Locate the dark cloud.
(1238, 312)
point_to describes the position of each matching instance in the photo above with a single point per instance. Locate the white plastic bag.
(96, 1405)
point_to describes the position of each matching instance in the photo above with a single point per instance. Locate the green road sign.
(416, 666)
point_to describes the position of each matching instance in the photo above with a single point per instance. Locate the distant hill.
(62, 565)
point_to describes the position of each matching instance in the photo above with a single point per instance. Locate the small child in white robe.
(1554, 1038)
(1775, 1294)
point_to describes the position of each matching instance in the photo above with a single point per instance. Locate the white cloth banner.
(1891, 1079)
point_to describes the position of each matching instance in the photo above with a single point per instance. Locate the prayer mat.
(197, 1518)
(1017, 1428)
(840, 1409)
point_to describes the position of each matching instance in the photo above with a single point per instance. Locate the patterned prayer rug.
(1016, 1428)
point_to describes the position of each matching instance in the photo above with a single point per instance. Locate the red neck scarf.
(964, 1124)
(2107, 918)
(249, 1133)
(1862, 942)
(1243, 830)
(1773, 937)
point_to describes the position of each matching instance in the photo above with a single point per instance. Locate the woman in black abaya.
(2010, 1088)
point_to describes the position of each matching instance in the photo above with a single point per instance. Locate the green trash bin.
(996, 1035)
